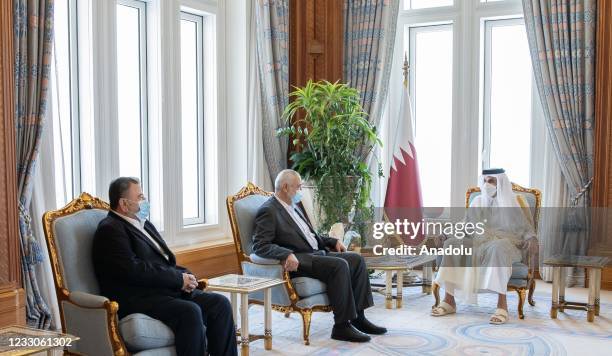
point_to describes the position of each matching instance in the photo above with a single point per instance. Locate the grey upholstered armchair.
(302, 295)
(69, 233)
(523, 273)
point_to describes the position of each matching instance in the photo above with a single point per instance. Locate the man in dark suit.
(282, 231)
(135, 267)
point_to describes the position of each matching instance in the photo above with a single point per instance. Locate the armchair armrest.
(263, 261)
(93, 318)
(280, 294)
(87, 300)
(531, 252)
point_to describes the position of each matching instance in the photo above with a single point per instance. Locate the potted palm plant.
(333, 141)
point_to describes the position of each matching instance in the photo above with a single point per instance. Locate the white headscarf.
(505, 213)
(505, 197)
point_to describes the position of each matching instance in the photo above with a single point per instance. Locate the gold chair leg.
(306, 318)
(436, 293)
(521, 294)
(531, 290)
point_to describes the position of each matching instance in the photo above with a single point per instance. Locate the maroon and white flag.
(403, 201)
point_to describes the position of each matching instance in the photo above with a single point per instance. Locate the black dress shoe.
(366, 326)
(346, 332)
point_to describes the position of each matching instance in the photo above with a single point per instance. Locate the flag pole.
(405, 68)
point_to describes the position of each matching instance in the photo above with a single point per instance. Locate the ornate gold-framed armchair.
(302, 294)
(69, 233)
(523, 273)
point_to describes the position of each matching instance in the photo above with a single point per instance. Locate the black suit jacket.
(128, 266)
(277, 236)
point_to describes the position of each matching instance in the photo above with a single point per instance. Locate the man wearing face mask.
(283, 232)
(507, 230)
(135, 267)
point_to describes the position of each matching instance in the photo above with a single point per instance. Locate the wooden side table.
(21, 340)
(594, 265)
(243, 285)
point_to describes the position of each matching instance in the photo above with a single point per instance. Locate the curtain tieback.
(32, 253)
(582, 192)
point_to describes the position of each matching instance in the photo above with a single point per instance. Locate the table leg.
(234, 303)
(592, 291)
(388, 286)
(427, 277)
(244, 324)
(399, 286)
(562, 283)
(597, 290)
(268, 319)
(555, 292)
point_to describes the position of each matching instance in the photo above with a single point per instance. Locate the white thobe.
(494, 253)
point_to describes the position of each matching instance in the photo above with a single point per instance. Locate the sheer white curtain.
(546, 175)
(257, 170)
(43, 199)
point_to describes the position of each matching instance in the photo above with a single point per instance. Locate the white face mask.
(490, 189)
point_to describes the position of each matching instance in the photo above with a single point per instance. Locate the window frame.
(74, 97)
(198, 19)
(488, 25)
(412, 33)
(73, 86)
(410, 43)
(467, 18)
(98, 104)
(141, 6)
(407, 6)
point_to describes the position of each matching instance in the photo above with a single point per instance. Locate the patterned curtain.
(272, 18)
(369, 37)
(33, 37)
(561, 35)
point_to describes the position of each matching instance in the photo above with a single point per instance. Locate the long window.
(431, 63)
(507, 98)
(471, 85)
(130, 100)
(132, 89)
(192, 118)
(64, 99)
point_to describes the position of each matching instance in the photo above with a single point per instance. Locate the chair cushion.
(162, 351)
(313, 301)
(141, 332)
(306, 287)
(519, 283)
(519, 270)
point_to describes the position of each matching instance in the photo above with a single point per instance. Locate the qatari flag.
(403, 199)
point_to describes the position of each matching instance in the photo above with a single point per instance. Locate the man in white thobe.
(507, 230)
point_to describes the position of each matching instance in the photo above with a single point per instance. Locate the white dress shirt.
(139, 224)
(310, 236)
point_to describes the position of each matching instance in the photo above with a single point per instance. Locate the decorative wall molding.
(316, 44)
(316, 40)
